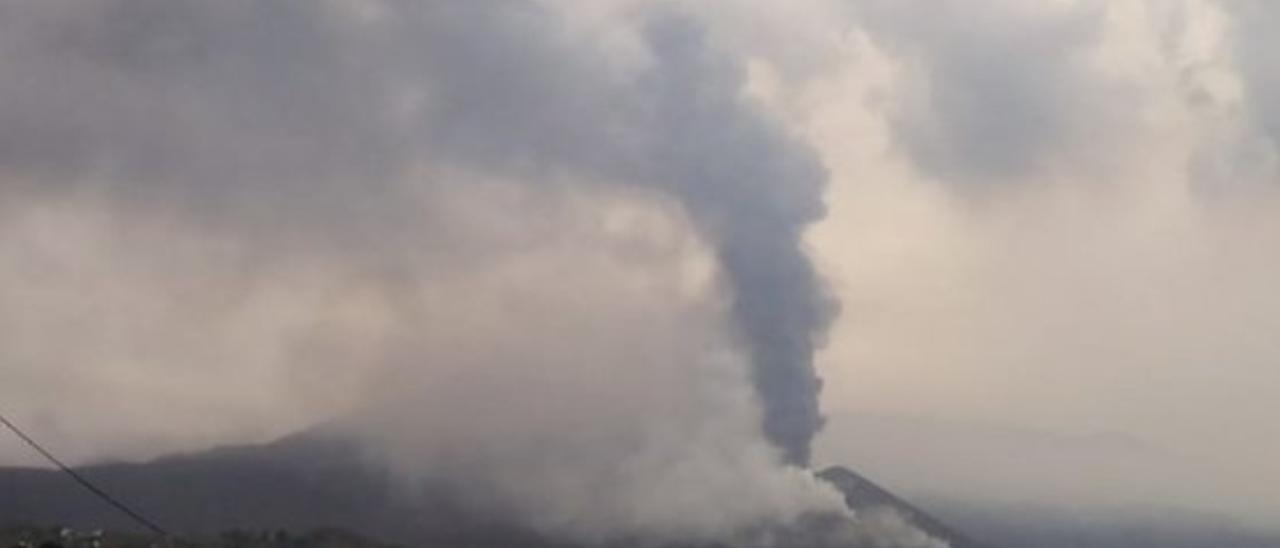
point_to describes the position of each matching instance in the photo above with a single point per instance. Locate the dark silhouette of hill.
(302, 482)
(32, 536)
(306, 482)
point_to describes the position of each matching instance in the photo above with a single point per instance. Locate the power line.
(83, 481)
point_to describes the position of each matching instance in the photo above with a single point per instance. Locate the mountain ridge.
(308, 481)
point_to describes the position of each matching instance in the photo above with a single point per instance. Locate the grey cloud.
(292, 118)
(681, 126)
(1253, 44)
(327, 145)
(992, 89)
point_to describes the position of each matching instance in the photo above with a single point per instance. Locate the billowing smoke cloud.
(1259, 69)
(680, 125)
(964, 117)
(239, 113)
(754, 193)
(408, 172)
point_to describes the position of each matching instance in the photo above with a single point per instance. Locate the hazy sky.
(1063, 217)
(222, 222)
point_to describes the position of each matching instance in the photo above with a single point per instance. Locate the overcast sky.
(223, 222)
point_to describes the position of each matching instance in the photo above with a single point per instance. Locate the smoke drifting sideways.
(489, 206)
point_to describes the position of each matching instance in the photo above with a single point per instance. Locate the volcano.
(313, 480)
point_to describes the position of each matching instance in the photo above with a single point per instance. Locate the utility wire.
(83, 481)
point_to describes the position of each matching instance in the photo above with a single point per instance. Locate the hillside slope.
(305, 482)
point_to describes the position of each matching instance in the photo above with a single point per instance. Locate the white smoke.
(559, 271)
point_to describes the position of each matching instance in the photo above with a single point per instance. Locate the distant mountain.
(306, 482)
(863, 495)
(1032, 525)
(1026, 488)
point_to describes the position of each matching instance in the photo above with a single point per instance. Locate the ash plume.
(413, 173)
(753, 191)
(262, 118)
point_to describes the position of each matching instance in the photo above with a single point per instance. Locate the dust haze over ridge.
(528, 224)
(347, 201)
